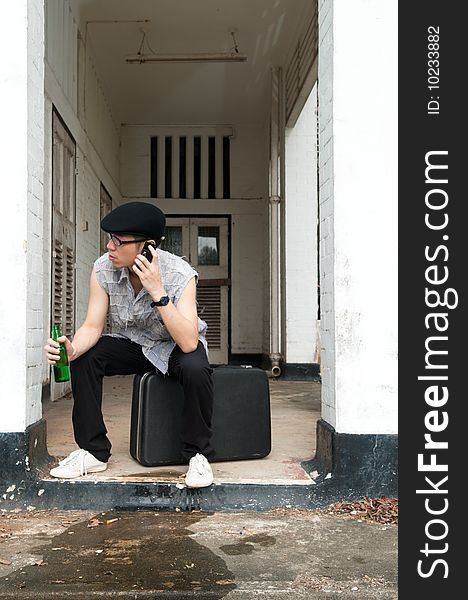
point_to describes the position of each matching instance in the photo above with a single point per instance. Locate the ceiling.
(189, 94)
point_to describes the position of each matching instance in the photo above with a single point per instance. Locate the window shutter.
(63, 236)
(209, 309)
(69, 316)
(64, 284)
(57, 278)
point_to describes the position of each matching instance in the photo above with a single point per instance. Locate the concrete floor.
(282, 554)
(295, 409)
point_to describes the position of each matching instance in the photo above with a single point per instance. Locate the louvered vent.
(191, 166)
(58, 288)
(64, 284)
(209, 309)
(70, 295)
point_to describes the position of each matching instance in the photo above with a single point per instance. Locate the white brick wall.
(34, 343)
(247, 290)
(61, 57)
(266, 243)
(301, 235)
(358, 212)
(87, 241)
(21, 157)
(327, 314)
(97, 140)
(249, 163)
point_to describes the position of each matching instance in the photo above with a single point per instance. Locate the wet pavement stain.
(247, 544)
(126, 552)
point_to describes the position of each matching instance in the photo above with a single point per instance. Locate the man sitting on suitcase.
(152, 304)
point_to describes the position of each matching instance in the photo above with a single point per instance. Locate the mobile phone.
(146, 252)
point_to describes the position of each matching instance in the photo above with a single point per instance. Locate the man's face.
(124, 255)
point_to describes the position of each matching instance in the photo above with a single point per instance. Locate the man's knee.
(82, 362)
(93, 355)
(195, 364)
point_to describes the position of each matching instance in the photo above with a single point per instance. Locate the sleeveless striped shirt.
(132, 316)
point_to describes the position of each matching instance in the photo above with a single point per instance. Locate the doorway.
(204, 243)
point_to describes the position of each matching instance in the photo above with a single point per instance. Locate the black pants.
(118, 356)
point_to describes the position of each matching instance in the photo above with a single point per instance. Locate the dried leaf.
(94, 523)
(374, 510)
(5, 561)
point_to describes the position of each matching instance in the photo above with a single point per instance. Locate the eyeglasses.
(118, 242)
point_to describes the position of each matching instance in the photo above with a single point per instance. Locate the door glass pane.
(208, 245)
(173, 240)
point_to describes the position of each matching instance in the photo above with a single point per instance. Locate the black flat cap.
(139, 218)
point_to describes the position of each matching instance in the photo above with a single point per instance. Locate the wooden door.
(204, 243)
(63, 237)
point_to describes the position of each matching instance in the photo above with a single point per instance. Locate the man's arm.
(181, 321)
(90, 332)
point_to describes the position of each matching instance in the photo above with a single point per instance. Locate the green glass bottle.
(61, 368)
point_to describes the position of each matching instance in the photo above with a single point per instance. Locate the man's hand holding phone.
(148, 271)
(146, 252)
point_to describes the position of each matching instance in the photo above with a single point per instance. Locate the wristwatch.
(163, 301)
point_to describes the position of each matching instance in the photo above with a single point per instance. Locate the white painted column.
(22, 167)
(274, 222)
(301, 235)
(358, 214)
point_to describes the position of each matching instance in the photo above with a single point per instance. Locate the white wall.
(21, 160)
(249, 160)
(265, 232)
(73, 87)
(358, 214)
(301, 235)
(247, 306)
(326, 202)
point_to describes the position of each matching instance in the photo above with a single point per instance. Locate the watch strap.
(163, 301)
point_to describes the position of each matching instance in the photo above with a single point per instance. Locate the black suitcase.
(241, 417)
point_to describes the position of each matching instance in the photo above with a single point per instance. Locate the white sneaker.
(199, 473)
(78, 463)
